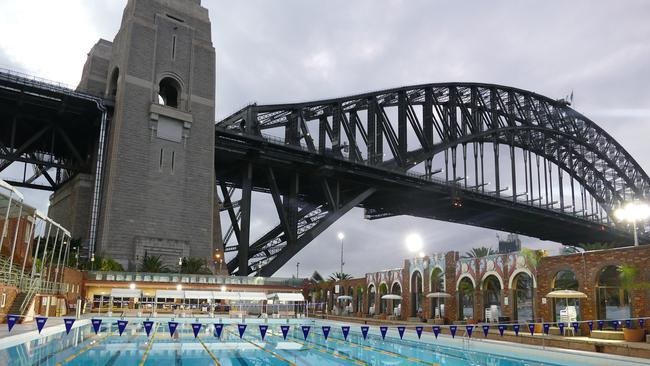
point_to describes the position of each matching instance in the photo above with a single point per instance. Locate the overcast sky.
(288, 51)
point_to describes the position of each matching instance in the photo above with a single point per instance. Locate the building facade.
(157, 177)
(509, 287)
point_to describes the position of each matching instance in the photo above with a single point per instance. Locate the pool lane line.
(146, 352)
(320, 348)
(265, 350)
(379, 350)
(214, 358)
(70, 358)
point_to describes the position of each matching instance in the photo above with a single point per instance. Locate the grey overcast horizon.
(299, 50)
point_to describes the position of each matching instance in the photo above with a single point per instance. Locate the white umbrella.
(344, 297)
(438, 296)
(566, 294)
(391, 297)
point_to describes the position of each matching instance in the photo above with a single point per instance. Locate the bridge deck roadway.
(399, 193)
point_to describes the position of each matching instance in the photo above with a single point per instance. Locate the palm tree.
(480, 252)
(338, 276)
(193, 265)
(152, 264)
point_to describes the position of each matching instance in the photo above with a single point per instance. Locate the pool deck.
(613, 347)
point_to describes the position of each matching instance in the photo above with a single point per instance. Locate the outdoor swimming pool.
(133, 347)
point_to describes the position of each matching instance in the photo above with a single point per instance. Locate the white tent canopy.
(170, 294)
(203, 295)
(125, 292)
(225, 295)
(286, 296)
(252, 296)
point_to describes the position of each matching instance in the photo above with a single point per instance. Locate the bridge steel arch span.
(573, 171)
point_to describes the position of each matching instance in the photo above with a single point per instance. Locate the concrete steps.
(608, 335)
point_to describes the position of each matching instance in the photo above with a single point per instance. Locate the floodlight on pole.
(341, 236)
(414, 243)
(633, 212)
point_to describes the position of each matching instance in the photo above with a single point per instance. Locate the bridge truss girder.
(581, 172)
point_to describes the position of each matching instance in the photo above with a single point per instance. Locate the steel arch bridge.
(479, 154)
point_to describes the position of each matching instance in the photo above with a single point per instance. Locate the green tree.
(480, 252)
(193, 265)
(153, 264)
(338, 276)
(109, 265)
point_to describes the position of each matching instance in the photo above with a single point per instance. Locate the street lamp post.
(341, 236)
(298, 270)
(633, 212)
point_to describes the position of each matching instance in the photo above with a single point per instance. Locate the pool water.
(83, 347)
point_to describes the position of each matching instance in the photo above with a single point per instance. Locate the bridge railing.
(421, 176)
(21, 78)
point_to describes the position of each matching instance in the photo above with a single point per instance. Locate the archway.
(437, 284)
(372, 297)
(169, 91)
(466, 299)
(523, 293)
(416, 294)
(613, 301)
(396, 305)
(565, 280)
(383, 290)
(492, 296)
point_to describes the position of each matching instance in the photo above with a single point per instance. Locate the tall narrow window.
(161, 159)
(173, 47)
(173, 160)
(168, 92)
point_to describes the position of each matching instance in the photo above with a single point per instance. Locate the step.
(608, 334)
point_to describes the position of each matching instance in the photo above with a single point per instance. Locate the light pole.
(92, 262)
(297, 269)
(180, 264)
(633, 212)
(341, 236)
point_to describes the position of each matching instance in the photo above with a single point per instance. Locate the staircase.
(16, 306)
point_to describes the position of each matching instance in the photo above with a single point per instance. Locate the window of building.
(112, 84)
(613, 301)
(466, 298)
(169, 91)
(523, 297)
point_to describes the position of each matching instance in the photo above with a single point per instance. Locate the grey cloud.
(296, 50)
